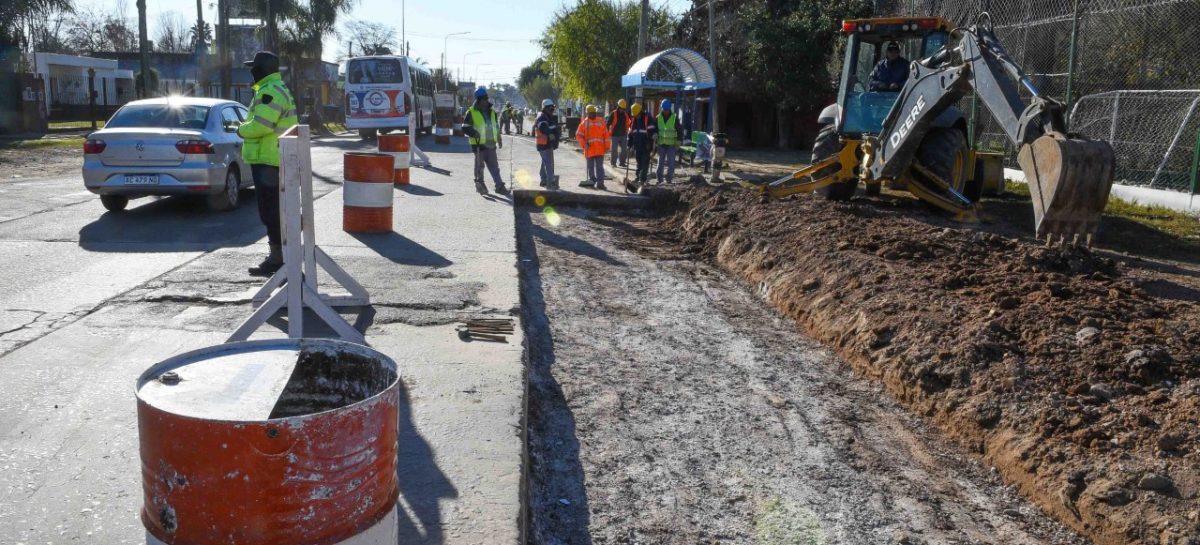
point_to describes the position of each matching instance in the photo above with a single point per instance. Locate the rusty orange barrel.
(443, 130)
(458, 123)
(390, 143)
(271, 442)
(367, 192)
(398, 146)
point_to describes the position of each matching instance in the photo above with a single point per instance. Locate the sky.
(501, 40)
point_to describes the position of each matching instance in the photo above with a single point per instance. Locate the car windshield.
(165, 116)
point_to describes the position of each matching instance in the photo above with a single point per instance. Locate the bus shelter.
(680, 74)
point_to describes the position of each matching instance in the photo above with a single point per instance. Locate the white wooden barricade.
(295, 284)
(419, 158)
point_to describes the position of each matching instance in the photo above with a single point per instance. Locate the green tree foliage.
(538, 90)
(535, 83)
(778, 50)
(14, 14)
(592, 44)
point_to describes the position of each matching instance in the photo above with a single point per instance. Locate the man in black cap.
(891, 72)
(273, 112)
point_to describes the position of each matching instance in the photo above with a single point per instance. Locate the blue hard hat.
(481, 92)
(666, 104)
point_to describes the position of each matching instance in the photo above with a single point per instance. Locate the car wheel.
(227, 199)
(114, 203)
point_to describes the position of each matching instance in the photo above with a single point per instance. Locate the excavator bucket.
(1069, 180)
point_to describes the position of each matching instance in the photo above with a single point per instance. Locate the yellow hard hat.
(621, 103)
(591, 108)
(637, 108)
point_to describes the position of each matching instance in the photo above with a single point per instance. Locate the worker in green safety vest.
(482, 126)
(668, 132)
(273, 112)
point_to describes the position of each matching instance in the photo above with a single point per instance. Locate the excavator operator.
(891, 72)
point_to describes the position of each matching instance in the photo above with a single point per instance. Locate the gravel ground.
(669, 404)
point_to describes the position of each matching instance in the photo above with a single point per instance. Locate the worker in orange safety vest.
(594, 139)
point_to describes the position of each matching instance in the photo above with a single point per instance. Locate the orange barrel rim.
(310, 473)
(393, 142)
(367, 167)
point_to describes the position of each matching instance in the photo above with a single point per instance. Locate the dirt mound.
(1079, 386)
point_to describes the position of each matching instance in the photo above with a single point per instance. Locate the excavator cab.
(861, 106)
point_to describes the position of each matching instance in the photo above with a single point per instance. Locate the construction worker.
(506, 118)
(482, 126)
(641, 134)
(593, 138)
(547, 132)
(519, 119)
(668, 133)
(272, 112)
(891, 73)
(618, 127)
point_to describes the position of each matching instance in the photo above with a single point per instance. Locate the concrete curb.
(529, 197)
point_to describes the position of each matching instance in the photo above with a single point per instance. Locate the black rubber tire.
(938, 152)
(825, 145)
(873, 190)
(114, 203)
(230, 194)
(366, 134)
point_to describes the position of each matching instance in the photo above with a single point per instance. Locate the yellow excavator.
(913, 138)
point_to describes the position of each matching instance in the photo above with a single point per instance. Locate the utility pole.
(201, 51)
(403, 33)
(222, 36)
(643, 22)
(142, 45)
(271, 29)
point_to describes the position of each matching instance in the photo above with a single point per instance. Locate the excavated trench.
(1072, 372)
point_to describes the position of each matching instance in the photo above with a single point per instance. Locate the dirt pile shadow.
(1078, 384)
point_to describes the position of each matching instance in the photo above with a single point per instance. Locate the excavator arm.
(1069, 178)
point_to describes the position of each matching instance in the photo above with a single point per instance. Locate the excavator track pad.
(1069, 180)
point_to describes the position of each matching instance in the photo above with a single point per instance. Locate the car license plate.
(142, 180)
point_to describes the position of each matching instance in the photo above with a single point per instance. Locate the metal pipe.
(445, 45)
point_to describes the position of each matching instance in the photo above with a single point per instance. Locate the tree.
(368, 38)
(539, 68)
(95, 30)
(173, 34)
(200, 32)
(592, 44)
(538, 90)
(16, 14)
(48, 32)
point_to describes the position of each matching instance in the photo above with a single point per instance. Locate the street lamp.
(462, 70)
(445, 43)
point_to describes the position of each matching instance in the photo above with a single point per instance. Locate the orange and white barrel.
(367, 192)
(398, 146)
(270, 442)
(443, 130)
(458, 123)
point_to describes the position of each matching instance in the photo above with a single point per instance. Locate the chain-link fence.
(1093, 55)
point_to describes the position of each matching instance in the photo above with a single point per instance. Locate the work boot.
(501, 189)
(600, 186)
(270, 265)
(481, 187)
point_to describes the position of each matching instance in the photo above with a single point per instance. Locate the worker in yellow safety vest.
(482, 126)
(668, 132)
(272, 113)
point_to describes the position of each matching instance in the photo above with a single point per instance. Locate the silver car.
(168, 146)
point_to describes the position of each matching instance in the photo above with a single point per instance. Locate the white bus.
(381, 90)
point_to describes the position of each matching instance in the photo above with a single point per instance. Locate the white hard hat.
(547, 102)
